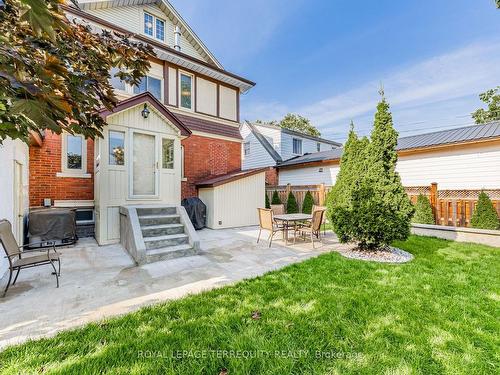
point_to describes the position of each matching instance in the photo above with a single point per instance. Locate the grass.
(327, 315)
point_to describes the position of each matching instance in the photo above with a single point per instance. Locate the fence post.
(321, 194)
(433, 200)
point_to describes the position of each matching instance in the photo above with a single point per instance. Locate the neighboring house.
(191, 132)
(266, 145)
(463, 158)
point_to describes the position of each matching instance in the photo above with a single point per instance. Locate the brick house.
(191, 134)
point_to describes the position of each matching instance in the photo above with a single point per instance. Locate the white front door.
(144, 167)
(18, 203)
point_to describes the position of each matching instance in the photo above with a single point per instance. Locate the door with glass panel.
(144, 165)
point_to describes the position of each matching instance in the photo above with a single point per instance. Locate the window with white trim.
(74, 154)
(186, 90)
(246, 148)
(154, 26)
(151, 84)
(318, 147)
(297, 146)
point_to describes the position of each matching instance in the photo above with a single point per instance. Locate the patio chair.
(313, 227)
(266, 222)
(315, 208)
(278, 209)
(16, 255)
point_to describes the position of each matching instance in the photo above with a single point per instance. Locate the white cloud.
(434, 92)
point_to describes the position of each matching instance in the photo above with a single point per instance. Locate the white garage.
(232, 200)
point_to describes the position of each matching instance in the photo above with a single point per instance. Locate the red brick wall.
(204, 157)
(272, 177)
(45, 162)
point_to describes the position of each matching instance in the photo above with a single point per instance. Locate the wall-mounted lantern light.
(145, 112)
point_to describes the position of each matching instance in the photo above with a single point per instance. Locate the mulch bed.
(388, 255)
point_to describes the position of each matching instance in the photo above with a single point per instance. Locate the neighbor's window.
(297, 146)
(116, 82)
(160, 29)
(74, 152)
(148, 24)
(186, 82)
(151, 84)
(318, 147)
(116, 148)
(246, 148)
(168, 153)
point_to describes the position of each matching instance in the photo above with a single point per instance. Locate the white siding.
(228, 103)
(308, 146)
(11, 152)
(227, 209)
(309, 175)
(112, 182)
(462, 168)
(132, 19)
(206, 96)
(259, 157)
(473, 168)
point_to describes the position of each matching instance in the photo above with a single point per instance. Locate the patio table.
(291, 218)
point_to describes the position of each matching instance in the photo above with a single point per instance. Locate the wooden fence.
(450, 207)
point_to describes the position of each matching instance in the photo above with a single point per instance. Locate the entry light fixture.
(145, 112)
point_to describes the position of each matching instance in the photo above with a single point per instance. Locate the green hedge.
(485, 215)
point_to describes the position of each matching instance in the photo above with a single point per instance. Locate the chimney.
(177, 38)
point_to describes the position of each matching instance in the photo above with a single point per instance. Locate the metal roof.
(472, 133)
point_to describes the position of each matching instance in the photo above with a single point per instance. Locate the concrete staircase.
(165, 233)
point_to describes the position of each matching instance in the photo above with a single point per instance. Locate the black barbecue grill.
(47, 226)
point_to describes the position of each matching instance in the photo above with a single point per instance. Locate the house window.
(168, 153)
(160, 29)
(154, 26)
(246, 148)
(116, 148)
(151, 84)
(148, 24)
(186, 89)
(116, 82)
(318, 147)
(74, 152)
(297, 146)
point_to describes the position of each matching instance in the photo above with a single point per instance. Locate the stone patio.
(98, 282)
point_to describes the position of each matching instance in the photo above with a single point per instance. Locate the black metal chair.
(13, 251)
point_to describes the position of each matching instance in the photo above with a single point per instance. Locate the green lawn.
(328, 315)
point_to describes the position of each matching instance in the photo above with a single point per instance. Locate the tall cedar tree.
(308, 203)
(53, 69)
(276, 198)
(291, 204)
(423, 211)
(485, 215)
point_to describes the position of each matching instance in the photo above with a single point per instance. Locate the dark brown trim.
(92, 18)
(177, 83)
(194, 95)
(142, 98)
(230, 177)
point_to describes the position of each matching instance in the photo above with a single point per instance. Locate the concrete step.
(162, 230)
(156, 211)
(158, 242)
(155, 255)
(145, 220)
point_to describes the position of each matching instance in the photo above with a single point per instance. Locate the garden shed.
(232, 199)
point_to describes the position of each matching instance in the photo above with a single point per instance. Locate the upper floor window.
(246, 148)
(318, 147)
(297, 146)
(186, 89)
(151, 84)
(154, 26)
(116, 82)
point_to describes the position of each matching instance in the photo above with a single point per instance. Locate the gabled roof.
(169, 11)
(263, 141)
(467, 134)
(224, 179)
(298, 134)
(146, 97)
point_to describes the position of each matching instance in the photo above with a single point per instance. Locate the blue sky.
(325, 59)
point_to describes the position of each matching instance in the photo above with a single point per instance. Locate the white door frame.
(156, 196)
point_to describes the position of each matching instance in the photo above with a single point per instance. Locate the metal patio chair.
(313, 227)
(18, 259)
(266, 222)
(323, 208)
